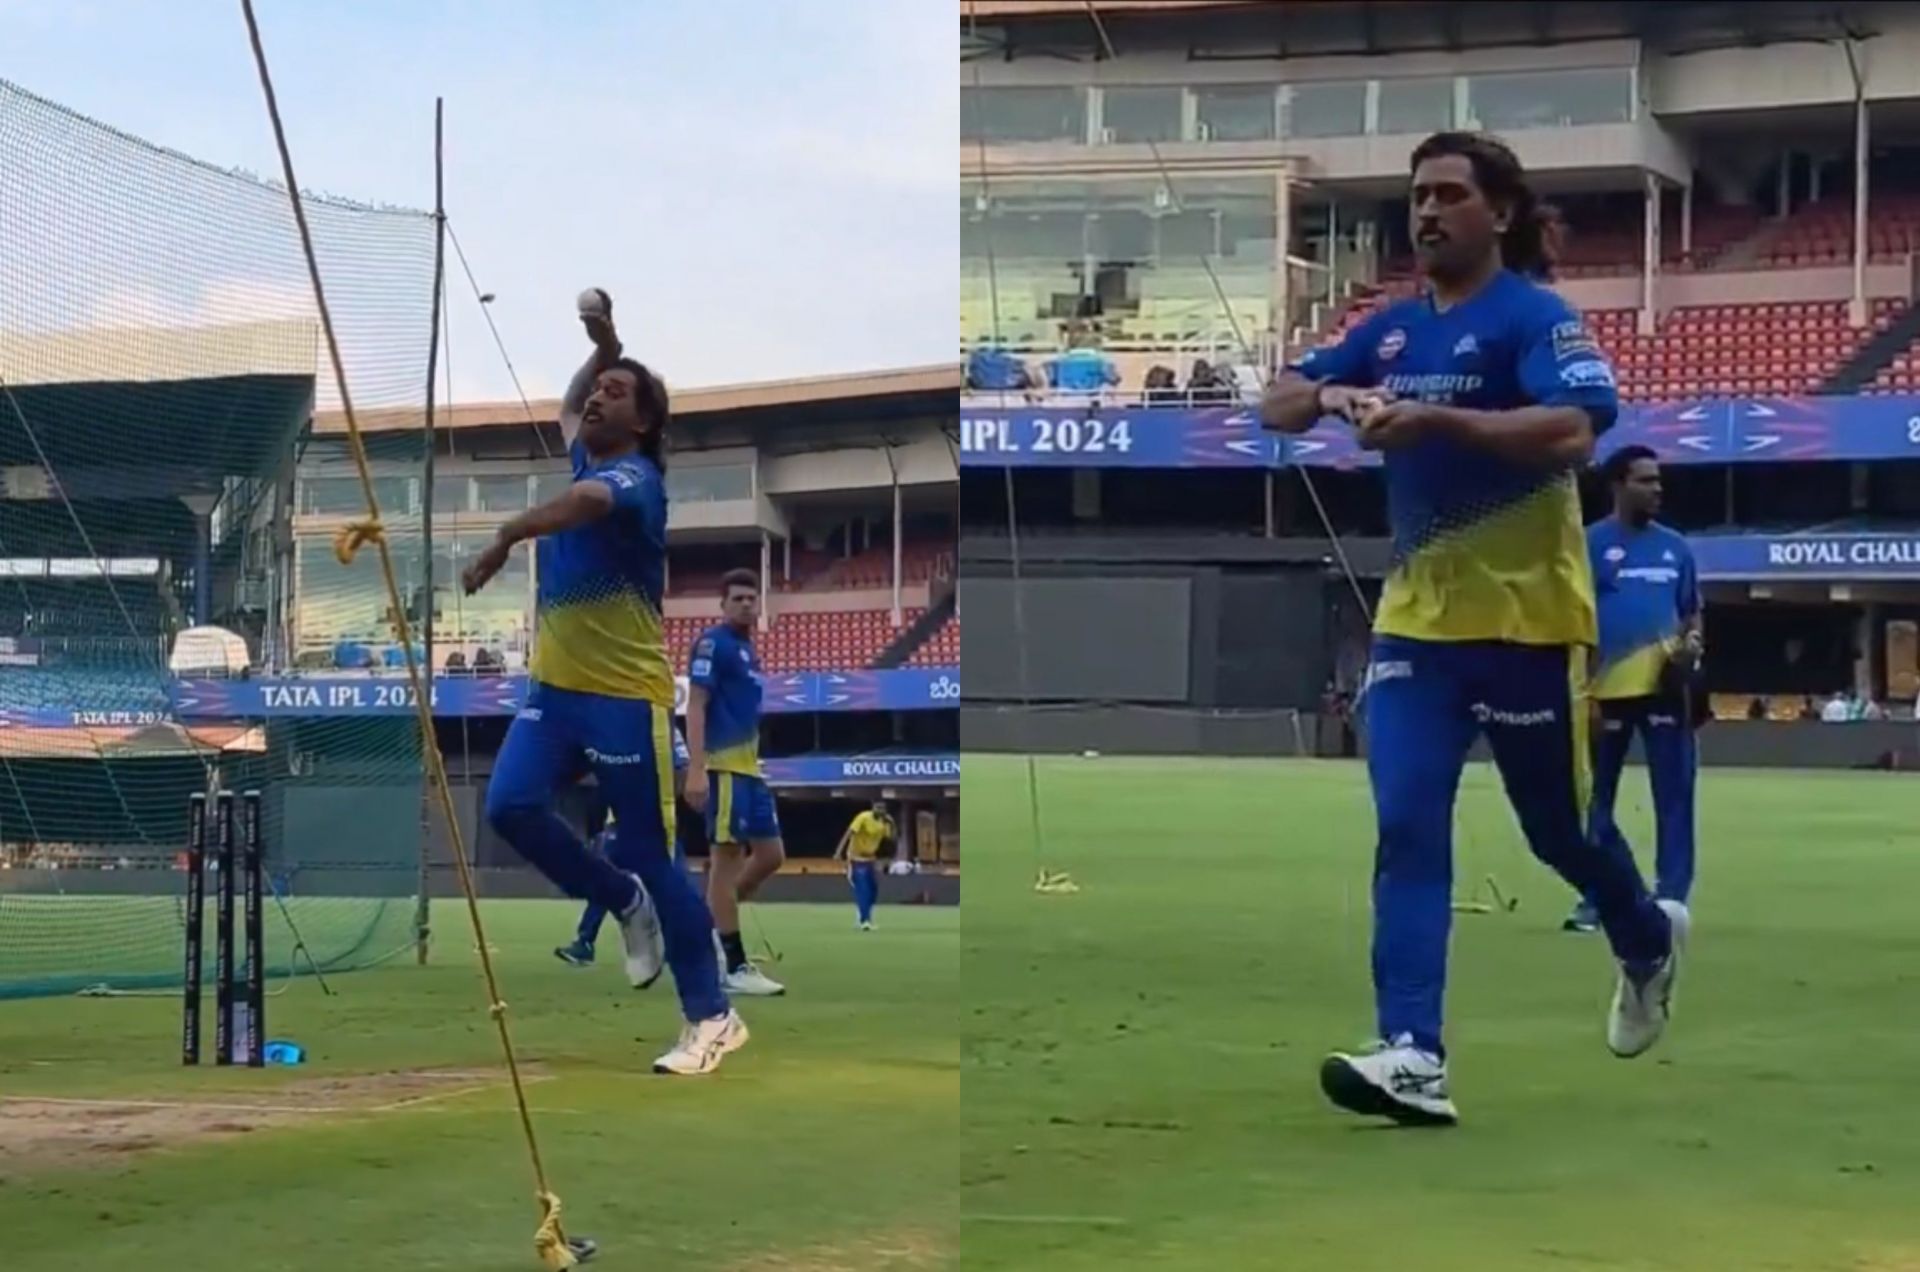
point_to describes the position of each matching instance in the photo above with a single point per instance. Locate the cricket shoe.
(866, 925)
(1583, 919)
(580, 954)
(1643, 998)
(640, 933)
(1392, 1079)
(703, 1044)
(750, 982)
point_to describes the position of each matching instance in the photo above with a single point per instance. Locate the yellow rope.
(549, 1241)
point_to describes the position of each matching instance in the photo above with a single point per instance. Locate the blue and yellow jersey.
(865, 835)
(1649, 593)
(597, 625)
(725, 665)
(1483, 548)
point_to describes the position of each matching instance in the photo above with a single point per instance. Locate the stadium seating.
(942, 648)
(835, 640)
(1822, 233)
(1778, 349)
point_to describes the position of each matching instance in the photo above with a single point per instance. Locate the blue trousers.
(1426, 702)
(627, 743)
(866, 887)
(594, 916)
(1667, 738)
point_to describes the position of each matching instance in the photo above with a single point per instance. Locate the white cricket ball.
(594, 303)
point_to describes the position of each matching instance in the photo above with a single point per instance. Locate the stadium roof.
(834, 392)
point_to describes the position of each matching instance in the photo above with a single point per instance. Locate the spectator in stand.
(1082, 368)
(1208, 384)
(1756, 708)
(1162, 389)
(1807, 710)
(991, 369)
(1839, 709)
(1873, 709)
(483, 664)
(456, 663)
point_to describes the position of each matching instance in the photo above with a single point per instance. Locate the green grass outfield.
(1138, 1060)
(825, 1144)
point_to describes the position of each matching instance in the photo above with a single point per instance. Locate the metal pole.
(422, 914)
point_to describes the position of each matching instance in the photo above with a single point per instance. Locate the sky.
(767, 188)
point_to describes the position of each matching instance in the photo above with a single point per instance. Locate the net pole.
(423, 904)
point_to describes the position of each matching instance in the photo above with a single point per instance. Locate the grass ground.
(826, 1144)
(1138, 1060)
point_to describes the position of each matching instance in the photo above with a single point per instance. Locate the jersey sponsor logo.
(1466, 346)
(601, 757)
(701, 667)
(1521, 719)
(624, 478)
(1439, 387)
(1615, 553)
(530, 713)
(1590, 374)
(703, 648)
(1650, 573)
(1571, 340)
(1663, 721)
(1390, 345)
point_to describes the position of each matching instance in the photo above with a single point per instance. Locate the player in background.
(600, 693)
(724, 779)
(860, 844)
(687, 825)
(1650, 648)
(1484, 395)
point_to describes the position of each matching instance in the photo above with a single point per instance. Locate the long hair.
(1535, 230)
(651, 401)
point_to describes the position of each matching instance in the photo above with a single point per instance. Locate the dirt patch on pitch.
(63, 1134)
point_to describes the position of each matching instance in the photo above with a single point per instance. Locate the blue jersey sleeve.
(703, 668)
(1350, 362)
(636, 491)
(1562, 365)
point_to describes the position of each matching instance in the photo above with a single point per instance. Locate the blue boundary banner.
(1711, 431)
(863, 770)
(1814, 557)
(902, 689)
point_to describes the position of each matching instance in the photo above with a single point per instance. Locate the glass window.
(497, 617)
(1415, 105)
(706, 483)
(501, 493)
(1327, 110)
(1236, 113)
(550, 486)
(337, 602)
(1023, 114)
(342, 496)
(1140, 115)
(450, 494)
(1551, 99)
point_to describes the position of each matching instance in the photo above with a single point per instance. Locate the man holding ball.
(601, 692)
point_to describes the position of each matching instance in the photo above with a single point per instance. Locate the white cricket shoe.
(749, 981)
(1641, 1008)
(646, 948)
(703, 1044)
(866, 925)
(1393, 1079)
